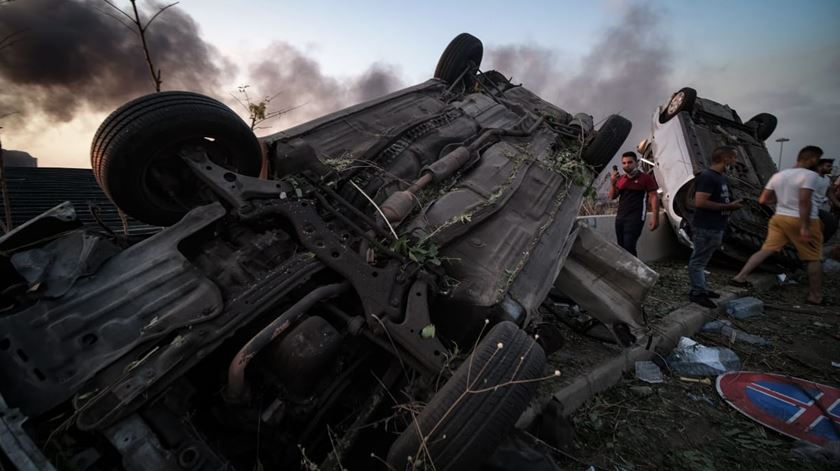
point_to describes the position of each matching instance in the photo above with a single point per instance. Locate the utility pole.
(781, 142)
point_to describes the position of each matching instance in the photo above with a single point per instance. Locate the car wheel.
(681, 101)
(470, 415)
(464, 51)
(764, 124)
(606, 142)
(135, 158)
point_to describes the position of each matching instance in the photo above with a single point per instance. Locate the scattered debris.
(692, 359)
(744, 308)
(648, 372)
(724, 328)
(831, 266)
(785, 280)
(795, 407)
(642, 391)
(705, 381)
(517, 453)
(817, 453)
(701, 397)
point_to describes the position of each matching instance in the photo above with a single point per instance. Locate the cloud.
(299, 82)
(73, 60)
(70, 55)
(625, 72)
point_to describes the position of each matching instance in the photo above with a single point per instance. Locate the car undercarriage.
(370, 301)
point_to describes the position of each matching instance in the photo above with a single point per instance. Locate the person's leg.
(777, 237)
(624, 231)
(706, 242)
(753, 262)
(619, 233)
(811, 252)
(815, 282)
(632, 232)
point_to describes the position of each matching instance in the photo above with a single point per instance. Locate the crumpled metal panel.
(488, 113)
(139, 446)
(16, 444)
(54, 221)
(530, 101)
(605, 280)
(57, 265)
(548, 251)
(348, 133)
(49, 350)
(524, 198)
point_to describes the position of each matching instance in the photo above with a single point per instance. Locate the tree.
(259, 112)
(137, 26)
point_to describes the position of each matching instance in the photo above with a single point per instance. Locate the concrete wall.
(652, 246)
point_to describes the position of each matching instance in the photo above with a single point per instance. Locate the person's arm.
(767, 196)
(613, 192)
(654, 209)
(805, 214)
(701, 200)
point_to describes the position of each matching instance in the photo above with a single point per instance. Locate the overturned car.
(372, 303)
(685, 131)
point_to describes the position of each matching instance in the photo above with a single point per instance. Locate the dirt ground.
(686, 425)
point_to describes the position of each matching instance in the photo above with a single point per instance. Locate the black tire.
(464, 429)
(463, 51)
(135, 159)
(606, 142)
(682, 100)
(764, 124)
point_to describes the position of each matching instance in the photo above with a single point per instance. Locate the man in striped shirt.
(634, 190)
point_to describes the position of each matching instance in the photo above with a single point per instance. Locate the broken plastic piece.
(724, 328)
(692, 359)
(744, 308)
(648, 372)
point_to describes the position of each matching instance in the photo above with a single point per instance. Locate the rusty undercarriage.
(327, 314)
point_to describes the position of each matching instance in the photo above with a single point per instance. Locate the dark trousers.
(829, 222)
(627, 232)
(706, 242)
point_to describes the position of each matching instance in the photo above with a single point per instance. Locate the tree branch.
(117, 19)
(10, 39)
(108, 2)
(158, 14)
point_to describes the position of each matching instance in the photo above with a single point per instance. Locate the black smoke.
(73, 54)
(299, 83)
(626, 72)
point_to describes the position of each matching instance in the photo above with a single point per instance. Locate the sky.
(68, 63)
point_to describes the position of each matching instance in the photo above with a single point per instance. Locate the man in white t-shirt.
(795, 222)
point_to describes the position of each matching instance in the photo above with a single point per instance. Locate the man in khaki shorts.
(795, 222)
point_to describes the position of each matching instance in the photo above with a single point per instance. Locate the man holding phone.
(634, 190)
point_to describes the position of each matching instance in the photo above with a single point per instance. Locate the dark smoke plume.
(300, 83)
(625, 73)
(69, 55)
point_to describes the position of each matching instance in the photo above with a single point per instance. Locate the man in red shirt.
(634, 190)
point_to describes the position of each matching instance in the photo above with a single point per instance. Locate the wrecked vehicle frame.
(313, 316)
(685, 131)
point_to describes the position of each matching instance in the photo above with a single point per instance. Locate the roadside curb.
(664, 335)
